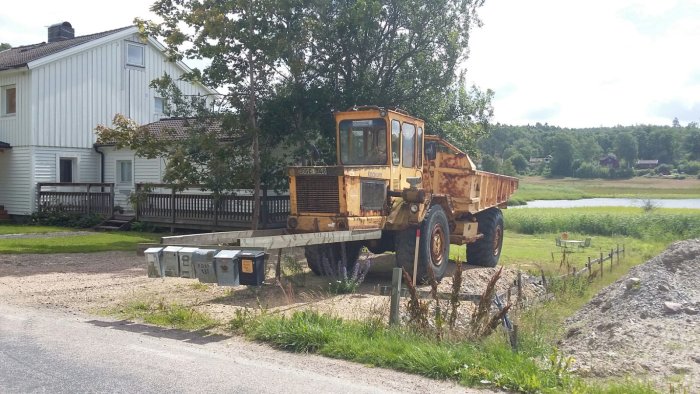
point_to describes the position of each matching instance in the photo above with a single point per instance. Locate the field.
(539, 188)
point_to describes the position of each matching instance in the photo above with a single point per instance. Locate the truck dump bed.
(452, 173)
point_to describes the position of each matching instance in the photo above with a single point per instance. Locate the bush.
(691, 168)
(60, 215)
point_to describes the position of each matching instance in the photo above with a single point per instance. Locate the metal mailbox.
(251, 267)
(226, 262)
(186, 267)
(171, 261)
(154, 262)
(203, 261)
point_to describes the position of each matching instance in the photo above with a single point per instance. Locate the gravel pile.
(645, 325)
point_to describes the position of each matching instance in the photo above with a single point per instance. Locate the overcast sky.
(569, 63)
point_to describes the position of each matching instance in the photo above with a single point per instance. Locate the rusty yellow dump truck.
(391, 176)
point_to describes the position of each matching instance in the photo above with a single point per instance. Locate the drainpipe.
(102, 164)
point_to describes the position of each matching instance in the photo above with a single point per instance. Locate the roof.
(5, 145)
(20, 56)
(177, 128)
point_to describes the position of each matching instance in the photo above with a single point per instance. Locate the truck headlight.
(414, 208)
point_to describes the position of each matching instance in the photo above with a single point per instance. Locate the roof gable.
(21, 56)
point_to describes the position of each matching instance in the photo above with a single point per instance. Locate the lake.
(692, 203)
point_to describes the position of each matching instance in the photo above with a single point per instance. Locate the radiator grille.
(317, 194)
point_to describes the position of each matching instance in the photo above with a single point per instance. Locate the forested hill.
(603, 152)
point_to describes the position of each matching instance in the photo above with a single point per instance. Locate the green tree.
(562, 155)
(4, 46)
(626, 148)
(242, 40)
(692, 144)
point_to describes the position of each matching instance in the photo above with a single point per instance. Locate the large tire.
(487, 251)
(314, 255)
(434, 248)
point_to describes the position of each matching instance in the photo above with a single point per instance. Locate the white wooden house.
(53, 95)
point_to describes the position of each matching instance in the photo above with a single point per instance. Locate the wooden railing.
(160, 204)
(83, 198)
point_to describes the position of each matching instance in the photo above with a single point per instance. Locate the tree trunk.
(252, 113)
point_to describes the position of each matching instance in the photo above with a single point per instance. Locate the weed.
(167, 315)
(199, 286)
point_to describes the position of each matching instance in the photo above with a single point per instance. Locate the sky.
(574, 63)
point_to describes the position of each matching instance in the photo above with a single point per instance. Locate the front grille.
(372, 195)
(317, 194)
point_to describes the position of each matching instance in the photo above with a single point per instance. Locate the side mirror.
(430, 150)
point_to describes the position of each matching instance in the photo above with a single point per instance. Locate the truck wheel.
(434, 248)
(486, 251)
(314, 255)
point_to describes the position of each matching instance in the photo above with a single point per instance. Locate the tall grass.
(663, 224)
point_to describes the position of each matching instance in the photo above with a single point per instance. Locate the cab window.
(419, 147)
(363, 142)
(395, 142)
(408, 133)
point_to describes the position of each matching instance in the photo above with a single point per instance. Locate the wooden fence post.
(138, 201)
(38, 197)
(611, 260)
(264, 210)
(601, 264)
(394, 316)
(172, 204)
(111, 198)
(520, 288)
(618, 254)
(89, 204)
(589, 266)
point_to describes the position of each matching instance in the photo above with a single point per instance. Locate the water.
(692, 203)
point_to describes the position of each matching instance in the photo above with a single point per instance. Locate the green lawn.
(96, 242)
(26, 229)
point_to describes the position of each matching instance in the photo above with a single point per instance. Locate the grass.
(27, 229)
(166, 315)
(87, 243)
(538, 188)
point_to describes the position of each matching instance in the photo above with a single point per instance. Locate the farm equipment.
(392, 177)
(391, 183)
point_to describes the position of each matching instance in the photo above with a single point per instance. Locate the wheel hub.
(437, 245)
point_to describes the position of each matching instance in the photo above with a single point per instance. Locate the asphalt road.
(49, 351)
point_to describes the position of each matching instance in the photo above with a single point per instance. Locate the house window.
(135, 55)
(9, 100)
(124, 171)
(158, 106)
(66, 170)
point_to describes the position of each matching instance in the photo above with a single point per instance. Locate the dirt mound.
(647, 324)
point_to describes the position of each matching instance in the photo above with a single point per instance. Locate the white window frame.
(74, 168)
(143, 53)
(158, 112)
(4, 101)
(119, 174)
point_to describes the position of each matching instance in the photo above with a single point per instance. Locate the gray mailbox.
(154, 262)
(186, 267)
(171, 261)
(227, 267)
(203, 261)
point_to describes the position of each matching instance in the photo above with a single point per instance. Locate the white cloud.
(586, 63)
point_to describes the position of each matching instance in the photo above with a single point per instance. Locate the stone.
(663, 287)
(672, 307)
(680, 368)
(695, 358)
(632, 283)
(690, 311)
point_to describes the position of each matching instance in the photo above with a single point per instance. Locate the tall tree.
(4, 46)
(562, 155)
(241, 39)
(626, 148)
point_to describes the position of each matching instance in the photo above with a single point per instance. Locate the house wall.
(76, 93)
(16, 180)
(15, 130)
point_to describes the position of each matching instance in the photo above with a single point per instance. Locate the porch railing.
(161, 204)
(82, 198)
